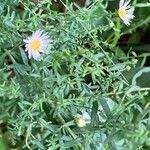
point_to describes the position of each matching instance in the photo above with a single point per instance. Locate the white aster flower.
(37, 44)
(125, 11)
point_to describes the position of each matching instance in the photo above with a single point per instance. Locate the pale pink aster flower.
(125, 11)
(37, 44)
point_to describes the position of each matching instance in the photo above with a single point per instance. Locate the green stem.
(74, 136)
(117, 33)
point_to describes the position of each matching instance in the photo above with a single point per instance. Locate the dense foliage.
(93, 65)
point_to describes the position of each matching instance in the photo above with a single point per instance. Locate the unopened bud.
(79, 121)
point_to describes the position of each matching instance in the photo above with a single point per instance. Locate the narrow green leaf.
(71, 143)
(106, 108)
(2, 144)
(24, 56)
(94, 115)
(142, 5)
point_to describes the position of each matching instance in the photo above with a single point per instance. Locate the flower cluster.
(38, 42)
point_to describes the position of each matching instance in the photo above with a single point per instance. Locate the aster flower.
(125, 11)
(36, 44)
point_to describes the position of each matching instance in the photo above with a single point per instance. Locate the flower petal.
(125, 11)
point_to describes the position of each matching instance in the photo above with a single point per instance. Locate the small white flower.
(79, 120)
(82, 120)
(37, 44)
(125, 11)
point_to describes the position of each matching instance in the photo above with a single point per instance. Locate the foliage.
(86, 70)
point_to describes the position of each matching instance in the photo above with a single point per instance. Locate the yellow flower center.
(35, 45)
(122, 12)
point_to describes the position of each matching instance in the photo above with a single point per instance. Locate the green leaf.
(106, 108)
(39, 144)
(71, 143)
(21, 69)
(24, 56)
(2, 144)
(94, 115)
(143, 74)
(142, 5)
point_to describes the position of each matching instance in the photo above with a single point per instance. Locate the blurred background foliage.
(96, 64)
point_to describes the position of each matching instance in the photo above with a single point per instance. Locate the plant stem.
(74, 136)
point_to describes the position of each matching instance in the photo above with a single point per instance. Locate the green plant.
(85, 70)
